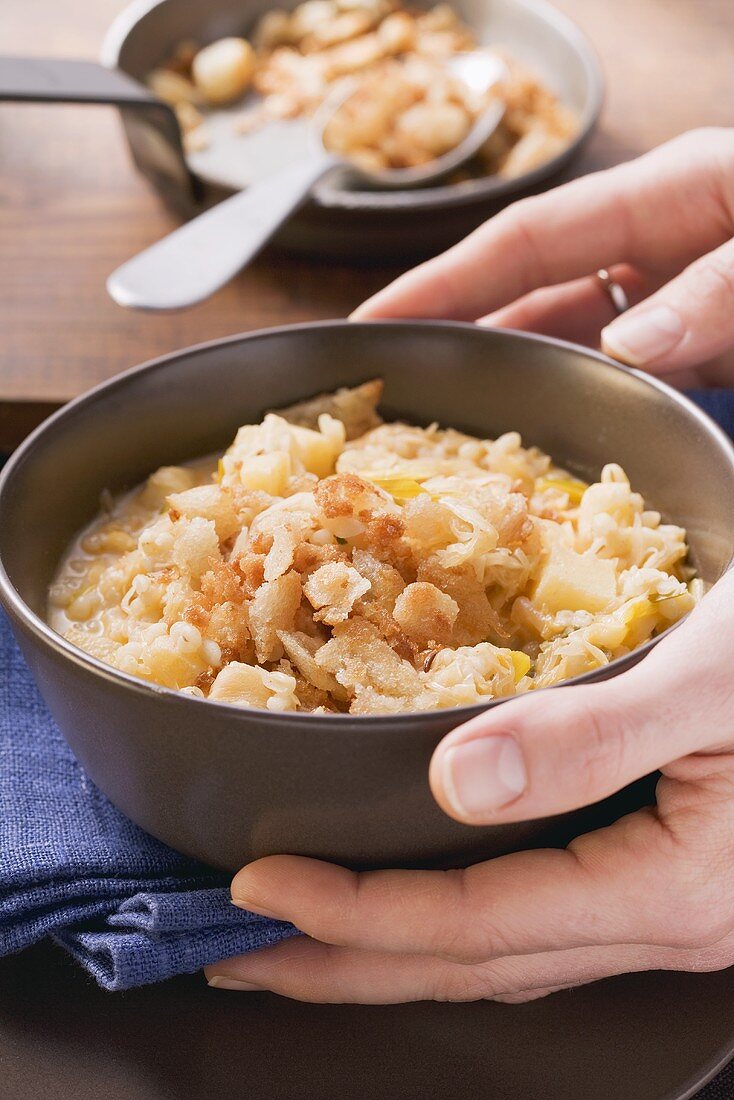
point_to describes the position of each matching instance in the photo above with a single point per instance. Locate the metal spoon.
(192, 262)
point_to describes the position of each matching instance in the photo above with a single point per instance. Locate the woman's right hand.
(662, 225)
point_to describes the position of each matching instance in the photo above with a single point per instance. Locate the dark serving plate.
(227, 784)
(656, 1036)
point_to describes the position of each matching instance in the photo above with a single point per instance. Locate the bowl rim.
(16, 606)
(446, 196)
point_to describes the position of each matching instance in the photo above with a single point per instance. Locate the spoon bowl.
(480, 70)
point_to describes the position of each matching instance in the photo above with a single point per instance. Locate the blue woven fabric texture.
(719, 404)
(130, 909)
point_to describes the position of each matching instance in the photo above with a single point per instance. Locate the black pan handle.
(56, 80)
(151, 125)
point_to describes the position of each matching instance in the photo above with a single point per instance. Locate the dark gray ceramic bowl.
(227, 784)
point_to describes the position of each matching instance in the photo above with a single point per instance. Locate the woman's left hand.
(654, 891)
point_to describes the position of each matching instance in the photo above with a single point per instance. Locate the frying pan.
(340, 220)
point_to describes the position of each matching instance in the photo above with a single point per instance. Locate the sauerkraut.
(328, 562)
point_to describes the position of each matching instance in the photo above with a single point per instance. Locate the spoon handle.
(192, 262)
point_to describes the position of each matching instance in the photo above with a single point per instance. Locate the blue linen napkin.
(130, 909)
(719, 404)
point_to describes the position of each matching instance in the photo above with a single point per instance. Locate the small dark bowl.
(339, 220)
(226, 784)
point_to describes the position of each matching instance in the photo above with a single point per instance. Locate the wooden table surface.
(72, 208)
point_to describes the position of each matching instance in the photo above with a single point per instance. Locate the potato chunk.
(166, 480)
(319, 450)
(210, 502)
(575, 582)
(223, 70)
(250, 686)
(435, 127)
(268, 473)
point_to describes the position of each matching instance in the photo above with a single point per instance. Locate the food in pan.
(329, 562)
(405, 111)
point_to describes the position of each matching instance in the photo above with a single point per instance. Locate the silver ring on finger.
(615, 293)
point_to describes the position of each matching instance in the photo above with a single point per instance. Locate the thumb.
(566, 747)
(548, 752)
(687, 322)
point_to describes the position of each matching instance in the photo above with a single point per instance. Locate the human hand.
(653, 891)
(662, 225)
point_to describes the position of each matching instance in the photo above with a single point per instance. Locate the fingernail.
(220, 982)
(243, 903)
(642, 336)
(484, 775)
